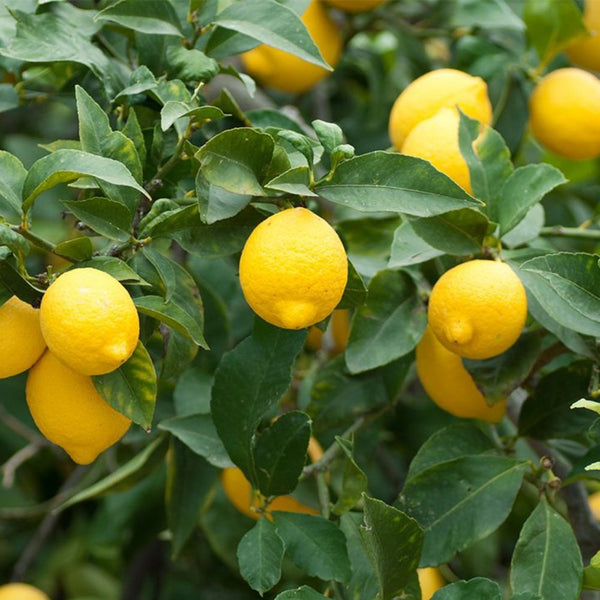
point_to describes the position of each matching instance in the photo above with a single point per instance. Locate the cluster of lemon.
(87, 324)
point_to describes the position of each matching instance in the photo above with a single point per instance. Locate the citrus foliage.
(145, 142)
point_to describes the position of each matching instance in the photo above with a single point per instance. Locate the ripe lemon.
(565, 113)
(21, 591)
(478, 308)
(69, 411)
(355, 6)
(335, 338)
(450, 385)
(22, 341)
(586, 53)
(89, 321)
(594, 502)
(293, 269)
(436, 140)
(431, 581)
(426, 95)
(285, 72)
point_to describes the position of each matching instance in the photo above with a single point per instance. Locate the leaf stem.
(570, 232)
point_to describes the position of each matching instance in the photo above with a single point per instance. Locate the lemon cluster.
(87, 325)
(476, 310)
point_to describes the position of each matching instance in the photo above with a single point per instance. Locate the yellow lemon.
(565, 113)
(285, 72)
(594, 502)
(478, 308)
(426, 95)
(22, 341)
(70, 412)
(586, 53)
(450, 385)
(293, 269)
(436, 140)
(89, 321)
(21, 591)
(430, 580)
(355, 6)
(335, 338)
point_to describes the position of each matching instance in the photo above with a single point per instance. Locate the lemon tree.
(299, 299)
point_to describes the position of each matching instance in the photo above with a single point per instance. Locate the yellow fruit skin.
(22, 341)
(586, 53)
(565, 113)
(69, 411)
(335, 338)
(21, 591)
(355, 6)
(293, 269)
(450, 385)
(478, 308)
(285, 72)
(436, 140)
(594, 501)
(89, 321)
(430, 580)
(426, 95)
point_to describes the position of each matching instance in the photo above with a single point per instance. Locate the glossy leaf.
(76, 249)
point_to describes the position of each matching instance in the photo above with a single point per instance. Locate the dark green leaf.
(410, 249)
(302, 593)
(9, 97)
(106, 217)
(146, 16)
(474, 589)
(190, 64)
(13, 284)
(116, 267)
(355, 292)
(11, 185)
(315, 544)
(354, 480)
(260, 554)
(131, 388)
(330, 134)
(394, 542)
(76, 249)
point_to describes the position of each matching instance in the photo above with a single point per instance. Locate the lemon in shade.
(22, 340)
(355, 6)
(426, 95)
(285, 72)
(334, 338)
(21, 591)
(478, 308)
(69, 411)
(430, 580)
(586, 52)
(564, 113)
(293, 269)
(436, 140)
(594, 502)
(450, 385)
(89, 321)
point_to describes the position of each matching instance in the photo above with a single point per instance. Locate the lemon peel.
(21, 591)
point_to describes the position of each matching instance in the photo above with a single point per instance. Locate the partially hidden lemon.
(293, 269)
(436, 140)
(594, 502)
(430, 580)
(565, 113)
(89, 321)
(355, 6)
(426, 95)
(335, 338)
(285, 72)
(22, 341)
(478, 308)
(21, 591)
(69, 411)
(586, 53)
(450, 385)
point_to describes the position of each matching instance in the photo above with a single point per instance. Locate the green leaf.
(11, 185)
(260, 554)
(388, 325)
(190, 64)
(355, 292)
(455, 441)
(394, 542)
(189, 483)
(567, 286)
(106, 217)
(408, 248)
(67, 165)
(552, 26)
(237, 160)
(15, 242)
(146, 16)
(215, 203)
(493, 14)
(547, 560)
(522, 190)
(329, 134)
(131, 388)
(456, 232)
(354, 480)
(174, 110)
(274, 24)
(9, 97)
(280, 453)
(75, 249)
(302, 593)
(384, 181)
(294, 181)
(13, 284)
(249, 381)
(315, 544)
(116, 267)
(461, 501)
(198, 433)
(477, 588)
